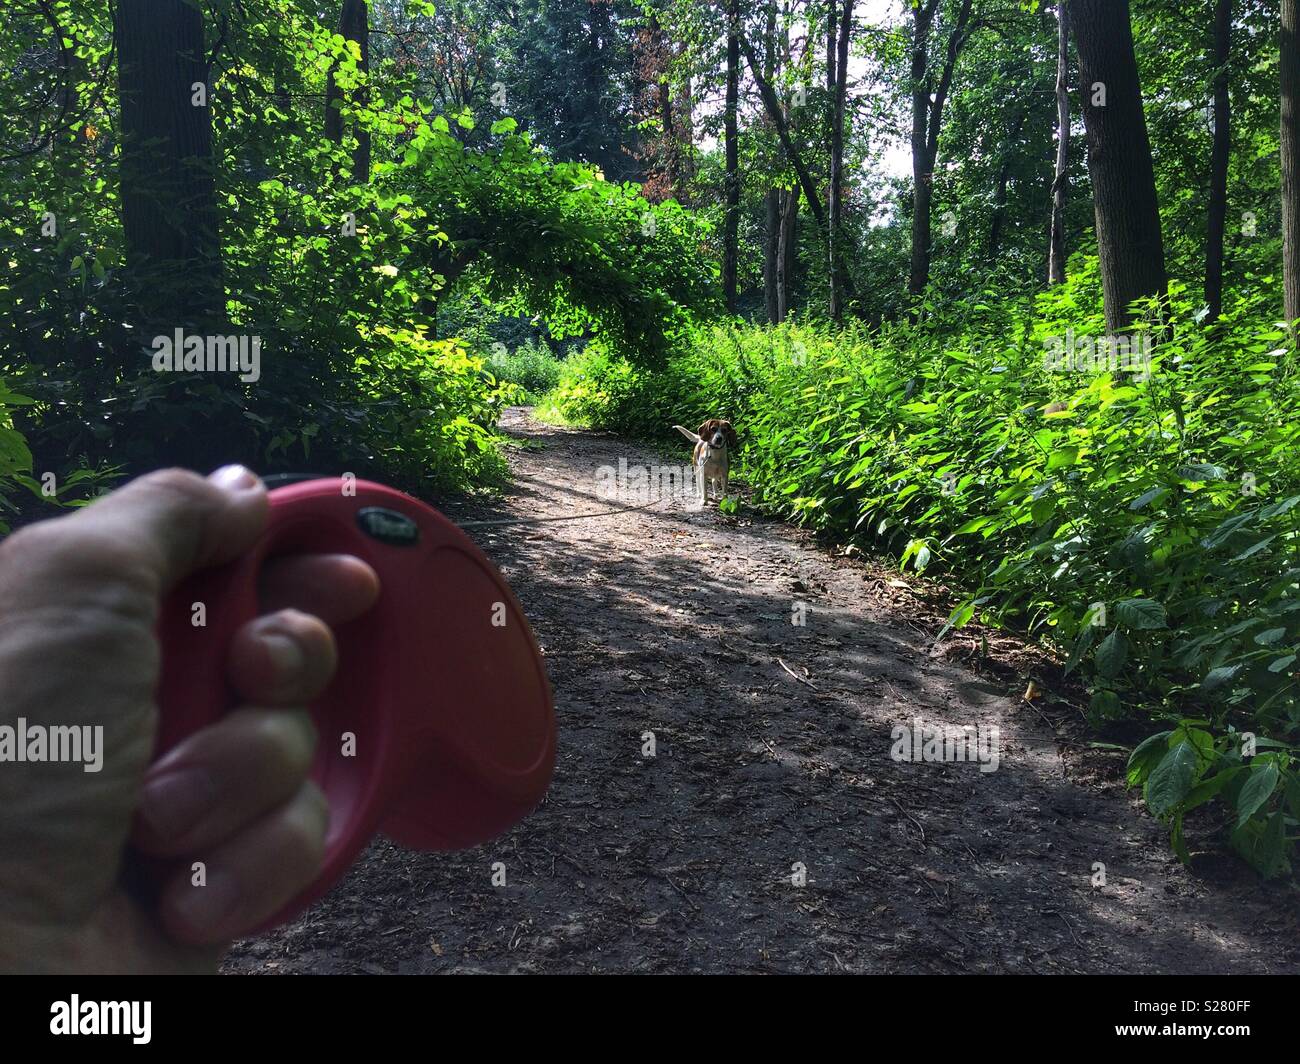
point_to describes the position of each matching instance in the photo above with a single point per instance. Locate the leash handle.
(438, 726)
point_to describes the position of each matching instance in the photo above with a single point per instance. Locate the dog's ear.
(732, 439)
(706, 430)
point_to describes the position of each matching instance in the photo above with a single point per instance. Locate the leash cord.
(548, 520)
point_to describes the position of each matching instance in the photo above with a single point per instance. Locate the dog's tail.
(687, 433)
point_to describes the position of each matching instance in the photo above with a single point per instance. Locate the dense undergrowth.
(1135, 510)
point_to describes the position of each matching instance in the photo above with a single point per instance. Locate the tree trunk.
(361, 157)
(686, 138)
(927, 118)
(353, 26)
(919, 275)
(830, 46)
(778, 117)
(999, 213)
(1217, 212)
(1291, 157)
(168, 196)
(772, 246)
(836, 192)
(1061, 178)
(672, 164)
(787, 254)
(773, 198)
(732, 179)
(781, 121)
(1119, 158)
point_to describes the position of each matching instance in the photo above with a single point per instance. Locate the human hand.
(79, 601)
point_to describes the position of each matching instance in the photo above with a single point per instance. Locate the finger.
(222, 779)
(146, 536)
(249, 877)
(282, 659)
(334, 587)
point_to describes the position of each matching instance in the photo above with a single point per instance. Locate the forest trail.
(679, 623)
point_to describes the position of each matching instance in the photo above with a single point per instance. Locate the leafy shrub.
(531, 366)
(342, 281)
(1183, 768)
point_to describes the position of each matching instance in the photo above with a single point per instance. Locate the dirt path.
(677, 623)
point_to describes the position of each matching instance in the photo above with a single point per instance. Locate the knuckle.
(288, 741)
(306, 823)
(189, 486)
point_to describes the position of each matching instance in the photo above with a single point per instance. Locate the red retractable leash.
(438, 727)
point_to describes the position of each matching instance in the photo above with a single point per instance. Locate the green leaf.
(1200, 472)
(1171, 780)
(1258, 789)
(1043, 509)
(1146, 755)
(1141, 614)
(973, 525)
(1112, 654)
(1103, 706)
(1264, 846)
(1254, 549)
(1216, 678)
(1147, 497)
(1210, 788)
(1062, 457)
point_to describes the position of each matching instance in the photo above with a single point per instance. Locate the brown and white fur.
(710, 457)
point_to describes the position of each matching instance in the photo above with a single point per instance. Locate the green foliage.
(22, 492)
(1143, 522)
(532, 366)
(341, 280)
(1186, 767)
(15, 458)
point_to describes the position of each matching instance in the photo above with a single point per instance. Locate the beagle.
(710, 455)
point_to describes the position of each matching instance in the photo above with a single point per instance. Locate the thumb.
(147, 535)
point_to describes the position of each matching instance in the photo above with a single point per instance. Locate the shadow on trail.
(677, 624)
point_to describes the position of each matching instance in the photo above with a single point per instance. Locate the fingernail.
(235, 478)
(174, 803)
(209, 905)
(286, 655)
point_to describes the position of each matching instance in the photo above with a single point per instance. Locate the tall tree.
(732, 178)
(782, 123)
(834, 236)
(1061, 177)
(1217, 212)
(787, 256)
(1129, 240)
(928, 99)
(771, 244)
(1290, 149)
(353, 27)
(580, 79)
(781, 120)
(774, 202)
(997, 220)
(167, 179)
(660, 154)
(830, 46)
